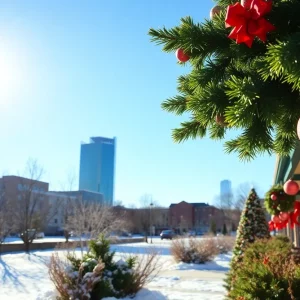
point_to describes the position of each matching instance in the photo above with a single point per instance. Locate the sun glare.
(10, 75)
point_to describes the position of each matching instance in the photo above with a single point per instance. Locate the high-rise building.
(225, 188)
(97, 167)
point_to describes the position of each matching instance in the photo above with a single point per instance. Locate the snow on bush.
(200, 251)
(97, 275)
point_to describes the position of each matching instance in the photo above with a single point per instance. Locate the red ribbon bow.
(293, 219)
(249, 23)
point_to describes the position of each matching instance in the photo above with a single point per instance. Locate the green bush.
(267, 271)
(97, 275)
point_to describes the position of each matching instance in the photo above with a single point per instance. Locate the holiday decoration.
(258, 88)
(276, 219)
(182, 56)
(294, 215)
(291, 218)
(252, 225)
(220, 120)
(273, 197)
(284, 216)
(271, 226)
(246, 3)
(215, 11)
(291, 187)
(282, 203)
(249, 23)
(298, 129)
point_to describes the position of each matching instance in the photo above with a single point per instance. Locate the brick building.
(51, 205)
(139, 220)
(185, 216)
(14, 186)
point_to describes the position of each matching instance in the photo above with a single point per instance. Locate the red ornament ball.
(215, 11)
(271, 226)
(276, 219)
(181, 56)
(273, 197)
(298, 129)
(291, 187)
(284, 216)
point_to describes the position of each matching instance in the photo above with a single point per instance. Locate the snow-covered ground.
(25, 276)
(56, 239)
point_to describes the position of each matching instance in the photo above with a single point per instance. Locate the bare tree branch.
(31, 207)
(6, 220)
(90, 219)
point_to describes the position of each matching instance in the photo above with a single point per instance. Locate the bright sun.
(10, 74)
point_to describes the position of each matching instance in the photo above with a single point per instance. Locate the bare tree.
(69, 204)
(91, 219)
(31, 208)
(145, 215)
(227, 204)
(242, 193)
(118, 203)
(232, 204)
(6, 220)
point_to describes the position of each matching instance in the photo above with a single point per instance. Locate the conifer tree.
(252, 226)
(224, 231)
(252, 90)
(213, 227)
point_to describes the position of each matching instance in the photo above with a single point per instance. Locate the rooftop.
(199, 204)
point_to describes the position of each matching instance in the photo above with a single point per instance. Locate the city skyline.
(93, 70)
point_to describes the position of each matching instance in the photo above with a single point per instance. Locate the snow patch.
(143, 294)
(220, 263)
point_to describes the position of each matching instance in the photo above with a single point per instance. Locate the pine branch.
(189, 130)
(256, 89)
(217, 132)
(208, 102)
(176, 105)
(253, 141)
(170, 38)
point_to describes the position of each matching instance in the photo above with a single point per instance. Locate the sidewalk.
(189, 285)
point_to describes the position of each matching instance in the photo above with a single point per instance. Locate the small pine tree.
(224, 231)
(253, 225)
(213, 227)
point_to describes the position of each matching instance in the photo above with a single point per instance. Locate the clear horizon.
(70, 71)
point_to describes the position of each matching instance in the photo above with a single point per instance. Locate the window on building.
(55, 221)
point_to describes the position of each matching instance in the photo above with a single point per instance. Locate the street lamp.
(151, 204)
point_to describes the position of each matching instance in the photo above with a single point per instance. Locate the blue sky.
(74, 69)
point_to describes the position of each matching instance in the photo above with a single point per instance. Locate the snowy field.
(25, 276)
(56, 239)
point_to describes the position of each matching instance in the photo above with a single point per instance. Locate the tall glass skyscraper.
(97, 167)
(225, 188)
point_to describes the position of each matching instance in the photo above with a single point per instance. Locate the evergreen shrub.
(267, 271)
(97, 275)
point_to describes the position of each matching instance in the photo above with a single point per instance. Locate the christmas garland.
(276, 201)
